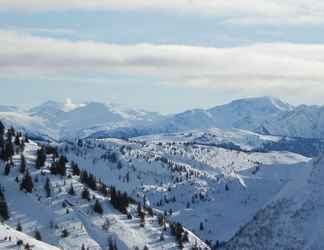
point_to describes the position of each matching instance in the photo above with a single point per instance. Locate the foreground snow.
(10, 237)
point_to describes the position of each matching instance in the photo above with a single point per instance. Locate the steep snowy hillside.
(49, 198)
(292, 220)
(186, 180)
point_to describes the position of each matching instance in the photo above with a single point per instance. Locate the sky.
(161, 55)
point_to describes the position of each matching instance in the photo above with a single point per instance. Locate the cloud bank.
(295, 68)
(243, 12)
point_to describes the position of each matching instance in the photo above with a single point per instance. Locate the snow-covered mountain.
(303, 121)
(264, 115)
(67, 120)
(260, 199)
(246, 114)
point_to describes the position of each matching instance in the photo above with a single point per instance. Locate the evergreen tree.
(75, 168)
(2, 129)
(40, 158)
(38, 235)
(85, 194)
(7, 169)
(47, 188)
(61, 167)
(65, 233)
(97, 207)
(10, 133)
(4, 212)
(8, 151)
(17, 140)
(22, 168)
(71, 190)
(201, 226)
(19, 227)
(27, 183)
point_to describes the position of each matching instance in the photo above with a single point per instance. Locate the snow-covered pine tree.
(27, 183)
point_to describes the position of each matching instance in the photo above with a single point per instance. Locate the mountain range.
(265, 115)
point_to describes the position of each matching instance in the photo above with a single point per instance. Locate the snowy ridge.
(266, 115)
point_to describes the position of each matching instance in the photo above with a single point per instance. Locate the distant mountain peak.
(264, 101)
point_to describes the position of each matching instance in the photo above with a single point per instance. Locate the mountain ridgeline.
(301, 127)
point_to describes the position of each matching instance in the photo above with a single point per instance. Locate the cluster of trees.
(119, 200)
(89, 180)
(180, 234)
(59, 166)
(11, 142)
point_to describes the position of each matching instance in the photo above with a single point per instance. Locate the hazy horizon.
(166, 56)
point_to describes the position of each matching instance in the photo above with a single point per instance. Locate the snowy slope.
(50, 217)
(292, 220)
(9, 238)
(190, 179)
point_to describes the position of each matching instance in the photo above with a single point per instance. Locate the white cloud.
(259, 68)
(238, 11)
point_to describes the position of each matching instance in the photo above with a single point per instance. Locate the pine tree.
(47, 188)
(4, 212)
(19, 227)
(27, 183)
(61, 167)
(65, 233)
(97, 207)
(201, 226)
(7, 169)
(85, 194)
(38, 235)
(71, 190)
(22, 168)
(2, 129)
(8, 151)
(40, 158)
(75, 168)
(17, 140)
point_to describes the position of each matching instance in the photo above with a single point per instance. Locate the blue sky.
(168, 57)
